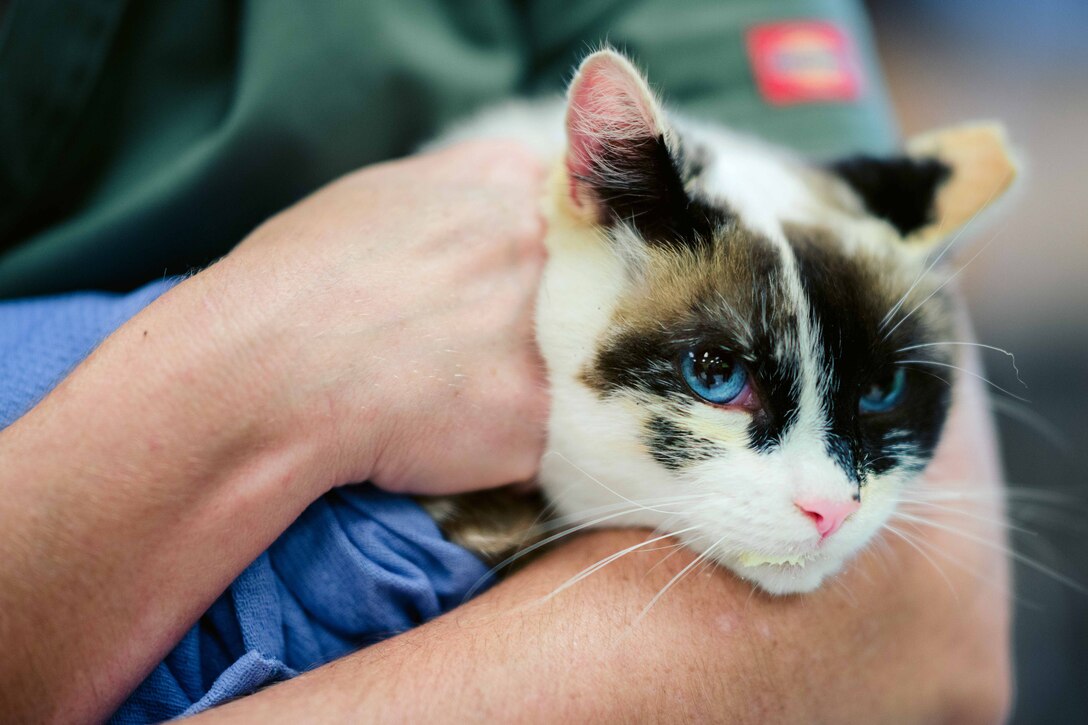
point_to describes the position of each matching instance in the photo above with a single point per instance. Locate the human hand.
(395, 311)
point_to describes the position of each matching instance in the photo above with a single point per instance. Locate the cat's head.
(744, 347)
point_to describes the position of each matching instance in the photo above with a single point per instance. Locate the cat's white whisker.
(965, 371)
(943, 284)
(665, 547)
(999, 522)
(642, 505)
(1012, 358)
(902, 535)
(844, 592)
(594, 568)
(946, 381)
(679, 575)
(544, 542)
(676, 549)
(996, 499)
(1033, 420)
(882, 552)
(1001, 184)
(1000, 548)
(878, 459)
(916, 535)
(984, 578)
(602, 484)
(925, 271)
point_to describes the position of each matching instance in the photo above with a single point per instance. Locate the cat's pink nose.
(827, 515)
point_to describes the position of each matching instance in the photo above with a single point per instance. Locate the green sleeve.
(139, 139)
(695, 54)
(142, 139)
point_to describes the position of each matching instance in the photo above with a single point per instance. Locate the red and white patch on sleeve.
(805, 61)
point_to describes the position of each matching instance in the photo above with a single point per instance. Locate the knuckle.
(525, 468)
(473, 147)
(527, 232)
(533, 228)
(516, 153)
(532, 406)
(512, 165)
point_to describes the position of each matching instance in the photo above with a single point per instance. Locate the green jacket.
(142, 139)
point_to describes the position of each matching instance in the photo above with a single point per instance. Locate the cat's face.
(743, 350)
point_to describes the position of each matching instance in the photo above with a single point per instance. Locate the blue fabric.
(357, 566)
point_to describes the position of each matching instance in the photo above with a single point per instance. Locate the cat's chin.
(787, 578)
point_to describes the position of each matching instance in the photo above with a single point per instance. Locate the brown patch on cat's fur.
(731, 284)
(675, 281)
(495, 524)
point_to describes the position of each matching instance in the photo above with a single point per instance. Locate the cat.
(742, 346)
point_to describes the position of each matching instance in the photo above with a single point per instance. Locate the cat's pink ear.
(612, 120)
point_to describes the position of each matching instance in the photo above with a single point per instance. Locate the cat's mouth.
(787, 573)
(754, 559)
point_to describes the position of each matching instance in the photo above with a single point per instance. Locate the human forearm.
(132, 495)
(507, 656)
(311, 356)
(912, 632)
(707, 651)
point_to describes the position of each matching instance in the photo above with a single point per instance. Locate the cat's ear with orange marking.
(942, 183)
(981, 167)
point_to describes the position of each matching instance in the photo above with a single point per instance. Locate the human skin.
(380, 330)
(900, 637)
(303, 361)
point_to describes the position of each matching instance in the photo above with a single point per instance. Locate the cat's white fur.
(594, 460)
(740, 508)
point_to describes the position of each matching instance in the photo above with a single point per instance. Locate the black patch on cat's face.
(777, 382)
(641, 183)
(637, 361)
(675, 447)
(733, 297)
(848, 303)
(900, 190)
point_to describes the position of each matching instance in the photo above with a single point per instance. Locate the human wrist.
(276, 363)
(204, 366)
(254, 369)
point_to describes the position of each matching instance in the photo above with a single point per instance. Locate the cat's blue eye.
(884, 394)
(713, 374)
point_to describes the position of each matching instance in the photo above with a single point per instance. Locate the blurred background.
(946, 61)
(1025, 63)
